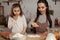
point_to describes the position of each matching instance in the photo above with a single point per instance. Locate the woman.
(17, 22)
(43, 19)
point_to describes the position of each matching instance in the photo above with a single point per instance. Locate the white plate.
(31, 35)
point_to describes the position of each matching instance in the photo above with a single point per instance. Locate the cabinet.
(1, 12)
(9, 1)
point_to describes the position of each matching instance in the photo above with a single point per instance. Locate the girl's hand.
(35, 24)
(22, 33)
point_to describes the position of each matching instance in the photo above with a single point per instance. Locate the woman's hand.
(45, 33)
(22, 33)
(35, 24)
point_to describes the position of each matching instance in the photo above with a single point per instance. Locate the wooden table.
(4, 35)
(35, 37)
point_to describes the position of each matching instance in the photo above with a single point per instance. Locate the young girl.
(43, 20)
(17, 22)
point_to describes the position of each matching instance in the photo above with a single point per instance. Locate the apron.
(42, 27)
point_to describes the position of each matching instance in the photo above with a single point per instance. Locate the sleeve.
(24, 21)
(9, 23)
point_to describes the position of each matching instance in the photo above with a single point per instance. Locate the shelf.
(56, 1)
(12, 1)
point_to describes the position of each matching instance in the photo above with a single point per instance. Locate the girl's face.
(42, 8)
(16, 11)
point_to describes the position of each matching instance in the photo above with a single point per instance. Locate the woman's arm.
(34, 24)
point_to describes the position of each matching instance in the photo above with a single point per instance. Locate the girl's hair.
(47, 12)
(14, 6)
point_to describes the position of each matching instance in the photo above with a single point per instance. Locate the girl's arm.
(24, 30)
(24, 25)
(10, 23)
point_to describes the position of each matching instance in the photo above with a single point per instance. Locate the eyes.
(41, 7)
(16, 10)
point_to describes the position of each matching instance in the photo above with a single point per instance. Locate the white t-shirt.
(42, 19)
(17, 26)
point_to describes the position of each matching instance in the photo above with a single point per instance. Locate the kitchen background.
(29, 8)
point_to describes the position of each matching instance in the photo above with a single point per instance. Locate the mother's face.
(42, 8)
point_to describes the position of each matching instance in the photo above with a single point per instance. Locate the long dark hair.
(47, 12)
(13, 6)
